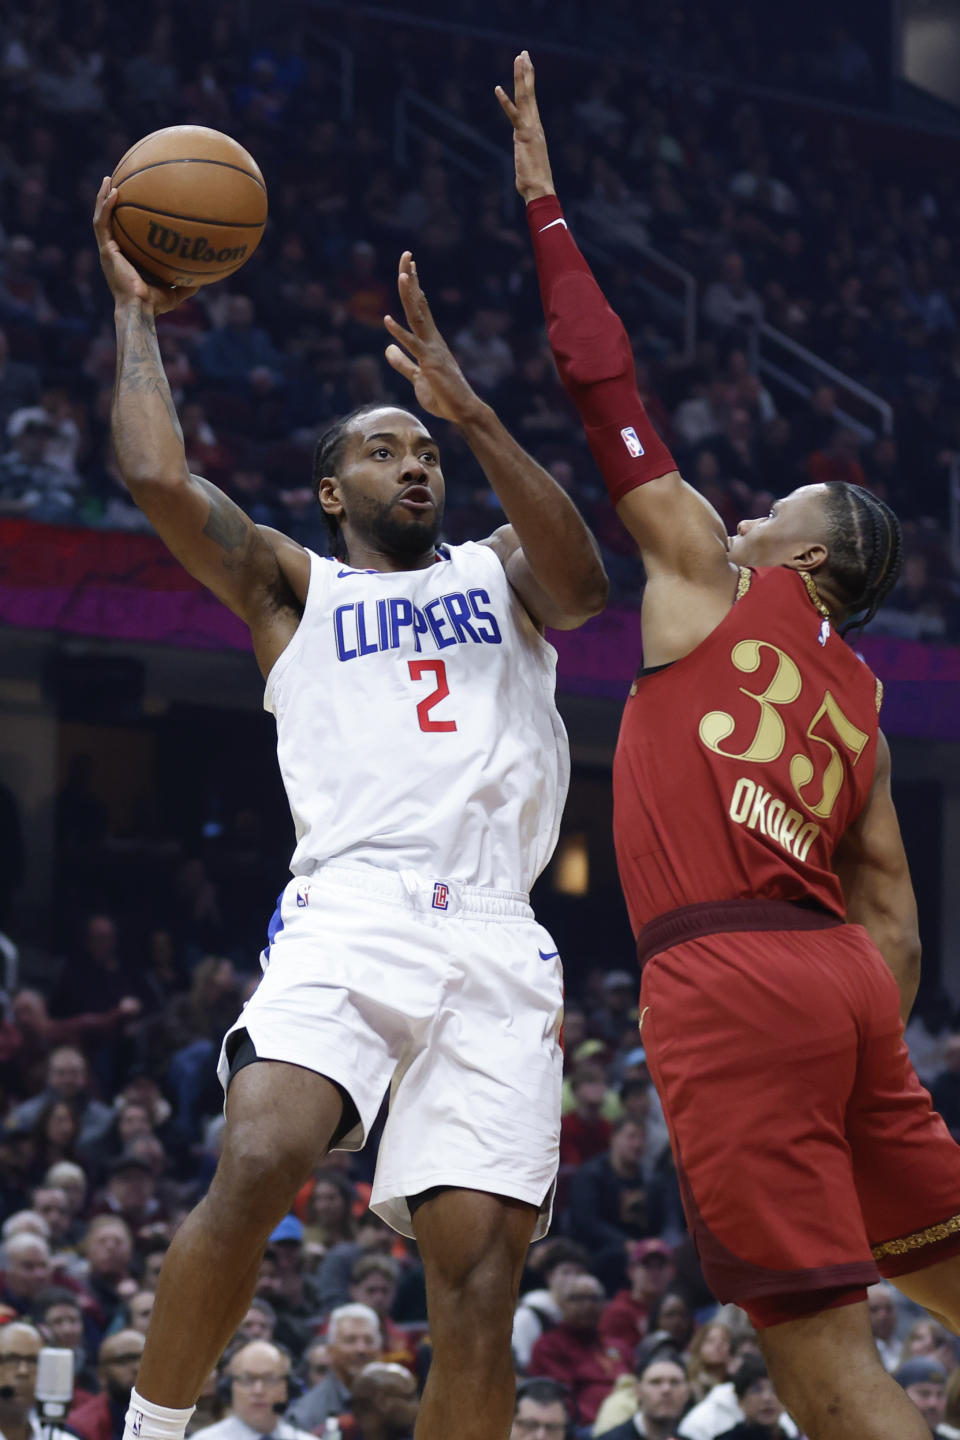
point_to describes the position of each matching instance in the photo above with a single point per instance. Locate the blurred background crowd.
(816, 224)
(837, 232)
(111, 1132)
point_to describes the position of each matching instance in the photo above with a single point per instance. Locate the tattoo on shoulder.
(227, 525)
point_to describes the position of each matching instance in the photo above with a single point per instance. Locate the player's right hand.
(530, 156)
(125, 281)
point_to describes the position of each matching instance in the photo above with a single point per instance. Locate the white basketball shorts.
(449, 995)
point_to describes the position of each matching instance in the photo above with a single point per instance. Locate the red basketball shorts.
(809, 1155)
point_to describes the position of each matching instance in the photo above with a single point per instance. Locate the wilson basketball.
(192, 205)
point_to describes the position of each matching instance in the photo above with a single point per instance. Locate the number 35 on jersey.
(759, 736)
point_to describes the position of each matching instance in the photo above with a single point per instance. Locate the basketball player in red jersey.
(762, 864)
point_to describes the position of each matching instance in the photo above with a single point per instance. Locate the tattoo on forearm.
(227, 525)
(140, 369)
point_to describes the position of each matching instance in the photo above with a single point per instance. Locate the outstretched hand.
(125, 281)
(438, 382)
(531, 159)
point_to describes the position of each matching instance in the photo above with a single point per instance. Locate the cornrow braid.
(327, 457)
(866, 551)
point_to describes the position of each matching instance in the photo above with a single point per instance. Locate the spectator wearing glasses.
(541, 1412)
(257, 1380)
(20, 1345)
(101, 1418)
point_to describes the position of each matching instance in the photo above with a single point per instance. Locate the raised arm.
(872, 867)
(259, 574)
(549, 555)
(681, 537)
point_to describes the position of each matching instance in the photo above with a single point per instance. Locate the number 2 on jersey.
(438, 669)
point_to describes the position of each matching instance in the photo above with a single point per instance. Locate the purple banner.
(129, 587)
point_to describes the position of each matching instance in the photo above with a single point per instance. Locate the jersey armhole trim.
(283, 661)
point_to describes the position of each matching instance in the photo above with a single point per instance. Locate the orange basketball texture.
(192, 205)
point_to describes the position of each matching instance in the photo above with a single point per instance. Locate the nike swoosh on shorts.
(545, 955)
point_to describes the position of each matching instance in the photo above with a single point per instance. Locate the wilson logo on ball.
(171, 242)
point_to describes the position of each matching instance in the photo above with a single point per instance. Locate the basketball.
(192, 205)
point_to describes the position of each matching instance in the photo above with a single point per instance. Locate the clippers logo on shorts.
(631, 439)
(441, 896)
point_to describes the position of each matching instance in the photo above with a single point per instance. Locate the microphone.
(279, 1406)
(7, 1392)
(54, 1382)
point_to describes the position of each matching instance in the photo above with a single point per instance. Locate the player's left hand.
(438, 382)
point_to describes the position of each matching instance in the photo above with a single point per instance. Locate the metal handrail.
(405, 126)
(629, 58)
(687, 279)
(842, 381)
(409, 103)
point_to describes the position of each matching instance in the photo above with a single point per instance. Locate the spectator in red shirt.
(539, 1309)
(584, 1132)
(574, 1352)
(650, 1270)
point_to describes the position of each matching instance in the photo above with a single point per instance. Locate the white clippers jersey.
(416, 724)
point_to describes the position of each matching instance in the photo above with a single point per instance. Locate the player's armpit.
(871, 865)
(219, 545)
(691, 582)
(543, 611)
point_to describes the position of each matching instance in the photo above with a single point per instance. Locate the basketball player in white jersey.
(426, 769)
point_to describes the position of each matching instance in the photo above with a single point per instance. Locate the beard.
(398, 532)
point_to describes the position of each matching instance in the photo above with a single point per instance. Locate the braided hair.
(866, 551)
(327, 457)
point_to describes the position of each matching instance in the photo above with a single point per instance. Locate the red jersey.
(739, 767)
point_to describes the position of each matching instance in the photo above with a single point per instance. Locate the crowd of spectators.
(777, 217)
(110, 1133)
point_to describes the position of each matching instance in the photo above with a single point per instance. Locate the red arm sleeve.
(594, 358)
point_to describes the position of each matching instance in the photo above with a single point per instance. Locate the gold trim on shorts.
(918, 1239)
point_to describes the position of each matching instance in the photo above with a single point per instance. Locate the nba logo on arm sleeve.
(631, 439)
